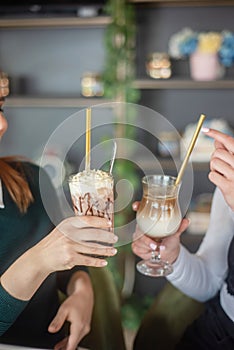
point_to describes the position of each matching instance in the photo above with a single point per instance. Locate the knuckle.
(87, 328)
(69, 260)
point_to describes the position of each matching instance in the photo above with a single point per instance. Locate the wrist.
(80, 283)
(24, 276)
(174, 255)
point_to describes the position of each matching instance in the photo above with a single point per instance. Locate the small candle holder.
(158, 65)
(92, 85)
(4, 85)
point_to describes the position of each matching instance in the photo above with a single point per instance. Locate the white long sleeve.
(201, 275)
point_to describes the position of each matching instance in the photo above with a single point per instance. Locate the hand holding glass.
(92, 194)
(158, 216)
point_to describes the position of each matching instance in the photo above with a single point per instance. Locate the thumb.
(183, 226)
(58, 321)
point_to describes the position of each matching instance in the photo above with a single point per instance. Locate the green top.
(21, 322)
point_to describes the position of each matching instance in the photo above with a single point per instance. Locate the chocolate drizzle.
(87, 205)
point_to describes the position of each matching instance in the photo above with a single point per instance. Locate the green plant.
(120, 41)
(118, 78)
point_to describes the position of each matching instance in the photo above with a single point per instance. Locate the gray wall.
(155, 27)
(45, 62)
(50, 62)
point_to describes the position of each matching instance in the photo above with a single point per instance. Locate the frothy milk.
(92, 193)
(159, 217)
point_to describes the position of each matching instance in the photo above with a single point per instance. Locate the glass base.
(154, 268)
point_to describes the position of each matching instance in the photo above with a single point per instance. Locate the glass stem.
(156, 254)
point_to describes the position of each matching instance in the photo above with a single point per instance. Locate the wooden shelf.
(184, 2)
(52, 102)
(169, 164)
(153, 84)
(49, 22)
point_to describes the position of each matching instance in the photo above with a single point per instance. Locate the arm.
(76, 309)
(62, 249)
(201, 275)
(198, 275)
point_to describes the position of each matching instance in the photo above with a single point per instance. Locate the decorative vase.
(205, 66)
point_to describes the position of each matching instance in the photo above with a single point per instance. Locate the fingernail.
(109, 223)
(162, 247)
(116, 238)
(153, 246)
(113, 251)
(205, 129)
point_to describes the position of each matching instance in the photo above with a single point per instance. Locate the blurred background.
(173, 57)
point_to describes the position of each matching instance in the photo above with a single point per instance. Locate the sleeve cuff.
(178, 265)
(10, 306)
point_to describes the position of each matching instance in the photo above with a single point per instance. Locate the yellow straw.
(191, 146)
(88, 139)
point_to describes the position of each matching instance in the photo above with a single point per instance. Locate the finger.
(219, 181)
(135, 205)
(224, 155)
(57, 322)
(74, 337)
(62, 344)
(140, 237)
(142, 248)
(221, 167)
(219, 145)
(89, 221)
(183, 226)
(226, 141)
(89, 261)
(91, 234)
(144, 244)
(138, 234)
(95, 249)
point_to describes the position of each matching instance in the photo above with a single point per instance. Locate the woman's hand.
(222, 164)
(170, 247)
(77, 310)
(74, 240)
(69, 244)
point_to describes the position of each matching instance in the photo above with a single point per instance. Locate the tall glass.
(92, 193)
(158, 216)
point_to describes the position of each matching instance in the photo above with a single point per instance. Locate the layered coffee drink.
(92, 193)
(159, 212)
(159, 217)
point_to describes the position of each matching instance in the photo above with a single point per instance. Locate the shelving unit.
(180, 99)
(52, 102)
(53, 22)
(173, 83)
(47, 23)
(184, 2)
(170, 164)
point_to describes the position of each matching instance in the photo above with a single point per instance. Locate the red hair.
(16, 183)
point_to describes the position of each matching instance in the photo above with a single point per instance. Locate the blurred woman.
(208, 275)
(37, 259)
